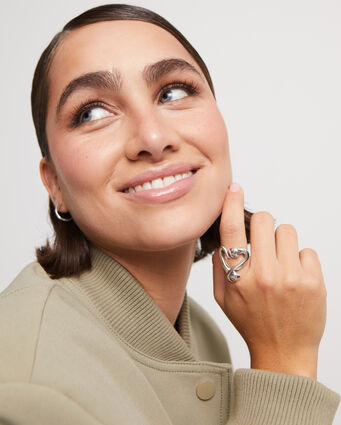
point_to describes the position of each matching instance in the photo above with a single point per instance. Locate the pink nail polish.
(234, 187)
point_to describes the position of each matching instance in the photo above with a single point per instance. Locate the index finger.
(232, 223)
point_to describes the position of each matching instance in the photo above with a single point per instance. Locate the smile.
(162, 189)
(159, 183)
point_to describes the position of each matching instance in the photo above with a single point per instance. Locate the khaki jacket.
(97, 350)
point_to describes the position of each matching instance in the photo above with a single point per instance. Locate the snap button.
(206, 389)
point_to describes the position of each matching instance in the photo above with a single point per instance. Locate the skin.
(278, 305)
(91, 163)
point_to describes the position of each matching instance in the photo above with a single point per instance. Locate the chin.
(158, 229)
(173, 234)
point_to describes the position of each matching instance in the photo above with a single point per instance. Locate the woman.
(136, 163)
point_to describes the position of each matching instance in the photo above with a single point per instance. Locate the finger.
(310, 261)
(232, 225)
(287, 246)
(262, 239)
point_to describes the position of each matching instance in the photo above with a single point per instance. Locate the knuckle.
(265, 279)
(312, 285)
(312, 282)
(316, 290)
(229, 229)
(290, 281)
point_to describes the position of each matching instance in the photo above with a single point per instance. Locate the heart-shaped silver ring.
(225, 254)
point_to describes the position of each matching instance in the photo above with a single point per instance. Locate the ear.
(50, 180)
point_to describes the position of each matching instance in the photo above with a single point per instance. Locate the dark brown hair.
(69, 254)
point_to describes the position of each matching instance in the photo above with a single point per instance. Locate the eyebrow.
(157, 70)
(100, 79)
(113, 80)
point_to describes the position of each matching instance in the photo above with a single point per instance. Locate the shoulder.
(26, 294)
(32, 275)
(208, 340)
(21, 307)
(35, 313)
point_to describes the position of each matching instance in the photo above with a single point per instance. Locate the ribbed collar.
(128, 309)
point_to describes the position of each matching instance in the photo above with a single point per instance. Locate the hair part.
(69, 253)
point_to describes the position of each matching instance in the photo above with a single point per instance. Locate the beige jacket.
(97, 350)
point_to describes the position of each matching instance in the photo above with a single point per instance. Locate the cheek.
(209, 133)
(216, 141)
(214, 144)
(83, 166)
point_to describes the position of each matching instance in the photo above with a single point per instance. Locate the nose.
(152, 137)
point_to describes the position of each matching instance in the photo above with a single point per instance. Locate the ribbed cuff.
(269, 398)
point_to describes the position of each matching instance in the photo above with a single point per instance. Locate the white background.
(276, 66)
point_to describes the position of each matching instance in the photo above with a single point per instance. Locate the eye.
(178, 90)
(174, 93)
(92, 114)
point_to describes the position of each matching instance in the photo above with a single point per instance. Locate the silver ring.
(225, 254)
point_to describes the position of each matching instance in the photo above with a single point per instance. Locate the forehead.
(125, 45)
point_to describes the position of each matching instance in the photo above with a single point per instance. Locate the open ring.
(225, 254)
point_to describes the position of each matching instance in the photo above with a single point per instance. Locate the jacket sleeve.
(262, 397)
(30, 404)
(271, 398)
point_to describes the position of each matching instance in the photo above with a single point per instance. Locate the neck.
(162, 274)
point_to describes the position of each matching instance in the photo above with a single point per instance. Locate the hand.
(278, 304)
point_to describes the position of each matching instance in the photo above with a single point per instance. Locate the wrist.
(296, 366)
(309, 372)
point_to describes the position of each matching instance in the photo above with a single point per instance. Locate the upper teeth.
(157, 183)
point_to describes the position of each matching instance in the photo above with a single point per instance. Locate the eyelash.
(190, 86)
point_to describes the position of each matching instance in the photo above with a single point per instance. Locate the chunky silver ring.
(225, 254)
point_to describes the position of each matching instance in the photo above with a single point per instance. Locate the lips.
(159, 172)
(176, 190)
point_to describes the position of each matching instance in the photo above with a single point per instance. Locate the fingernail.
(234, 187)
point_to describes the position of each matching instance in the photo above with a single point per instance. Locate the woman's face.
(129, 105)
